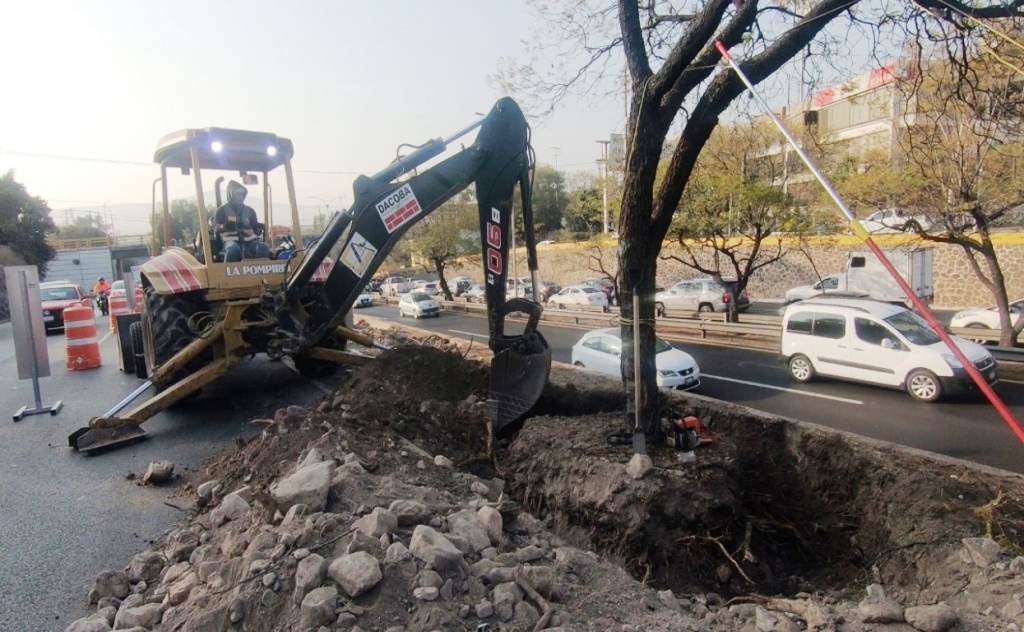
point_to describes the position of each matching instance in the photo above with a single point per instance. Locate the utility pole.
(558, 209)
(603, 162)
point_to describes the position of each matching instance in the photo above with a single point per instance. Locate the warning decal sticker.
(358, 254)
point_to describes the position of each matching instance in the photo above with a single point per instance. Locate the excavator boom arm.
(385, 209)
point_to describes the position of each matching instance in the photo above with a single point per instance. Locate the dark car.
(548, 289)
(58, 296)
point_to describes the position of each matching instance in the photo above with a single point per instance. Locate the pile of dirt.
(388, 508)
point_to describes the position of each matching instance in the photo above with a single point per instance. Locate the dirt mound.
(554, 529)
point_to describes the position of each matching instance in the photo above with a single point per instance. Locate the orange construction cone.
(80, 333)
(118, 307)
(139, 296)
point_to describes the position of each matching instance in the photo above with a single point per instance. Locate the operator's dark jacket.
(243, 216)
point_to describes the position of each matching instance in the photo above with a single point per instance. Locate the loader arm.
(385, 208)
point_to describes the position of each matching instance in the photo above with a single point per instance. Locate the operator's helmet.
(101, 280)
(233, 188)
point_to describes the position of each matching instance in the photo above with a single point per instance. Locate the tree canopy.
(675, 77)
(448, 233)
(24, 223)
(83, 227)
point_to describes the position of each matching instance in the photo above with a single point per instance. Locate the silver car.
(698, 295)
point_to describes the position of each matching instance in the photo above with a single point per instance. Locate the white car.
(418, 305)
(393, 286)
(430, 288)
(579, 295)
(600, 350)
(877, 343)
(475, 291)
(981, 318)
(894, 220)
(364, 300)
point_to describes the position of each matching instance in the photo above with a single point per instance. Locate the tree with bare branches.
(962, 143)
(735, 207)
(674, 76)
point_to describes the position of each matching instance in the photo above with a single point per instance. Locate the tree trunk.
(439, 268)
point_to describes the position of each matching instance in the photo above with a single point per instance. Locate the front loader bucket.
(518, 376)
(90, 439)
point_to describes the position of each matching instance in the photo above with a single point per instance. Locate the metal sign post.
(29, 334)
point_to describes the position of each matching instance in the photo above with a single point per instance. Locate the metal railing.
(754, 331)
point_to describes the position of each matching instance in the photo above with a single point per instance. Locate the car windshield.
(660, 346)
(913, 327)
(118, 285)
(419, 296)
(58, 294)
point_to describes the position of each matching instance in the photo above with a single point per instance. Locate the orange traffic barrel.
(139, 296)
(80, 333)
(118, 307)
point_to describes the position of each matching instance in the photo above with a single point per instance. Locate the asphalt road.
(65, 517)
(967, 428)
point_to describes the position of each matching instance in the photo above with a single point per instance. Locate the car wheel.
(705, 307)
(911, 227)
(801, 369)
(924, 386)
(659, 310)
(980, 341)
(579, 364)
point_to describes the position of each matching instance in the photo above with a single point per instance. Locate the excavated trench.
(770, 506)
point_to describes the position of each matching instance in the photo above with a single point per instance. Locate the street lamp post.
(327, 205)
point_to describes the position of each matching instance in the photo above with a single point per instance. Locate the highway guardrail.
(754, 331)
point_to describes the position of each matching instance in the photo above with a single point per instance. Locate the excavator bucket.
(91, 439)
(518, 376)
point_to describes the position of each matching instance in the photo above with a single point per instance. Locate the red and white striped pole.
(864, 236)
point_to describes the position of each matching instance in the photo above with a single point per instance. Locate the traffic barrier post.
(139, 295)
(82, 341)
(118, 307)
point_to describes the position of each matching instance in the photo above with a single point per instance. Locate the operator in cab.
(239, 227)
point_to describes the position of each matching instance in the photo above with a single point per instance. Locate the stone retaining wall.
(955, 284)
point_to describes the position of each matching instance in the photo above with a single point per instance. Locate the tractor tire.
(313, 368)
(138, 351)
(167, 317)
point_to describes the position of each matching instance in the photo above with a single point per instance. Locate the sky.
(346, 81)
(90, 87)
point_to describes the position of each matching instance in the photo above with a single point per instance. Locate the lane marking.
(466, 333)
(787, 390)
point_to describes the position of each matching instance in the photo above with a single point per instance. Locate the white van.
(876, 343)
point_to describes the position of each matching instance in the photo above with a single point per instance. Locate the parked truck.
(866, 277)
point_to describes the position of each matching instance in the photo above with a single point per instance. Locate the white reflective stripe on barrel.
(78, 324)
(81, 342)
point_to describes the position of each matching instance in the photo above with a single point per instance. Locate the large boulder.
(356, 573)
(435, 549)
(308, 486)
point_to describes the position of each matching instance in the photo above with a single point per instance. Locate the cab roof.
(875, 308)
(222, 148)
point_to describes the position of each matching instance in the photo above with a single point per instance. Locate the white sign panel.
(398, 208)
(27, 321)
(358, 254)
